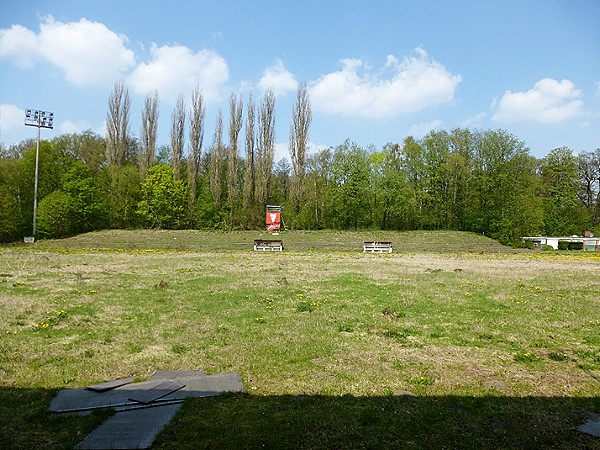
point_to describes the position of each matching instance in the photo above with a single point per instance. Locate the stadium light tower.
(39, 119)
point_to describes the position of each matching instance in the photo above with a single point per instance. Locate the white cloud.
(20, 45)
(176, 69)
(88, 52)
(282, 150)
(11, 117)
(549, 101)
(421, 129)
(279, 79)
(474, 121)
(69, 126)
(415, 83)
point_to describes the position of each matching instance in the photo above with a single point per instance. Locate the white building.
(588, 243)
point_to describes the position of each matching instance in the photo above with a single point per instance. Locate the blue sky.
(377, 71)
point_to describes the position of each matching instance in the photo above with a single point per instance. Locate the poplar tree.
(266, 147)
(196, 121)
(235, 126)
(249, 170)
(117, 124)
(148, 132)
(301, 120)
(216, 162)
(177, 135)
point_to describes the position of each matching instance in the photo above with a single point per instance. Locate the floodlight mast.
(39, 119)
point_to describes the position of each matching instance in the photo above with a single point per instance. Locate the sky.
(377, 71)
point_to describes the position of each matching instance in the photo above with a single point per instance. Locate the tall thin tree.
(148, 132)
(177, 135)
(235, 126)
(216, 162)
(301, 120)
(248, 194)
(196, 120)
(117, 124)
(266, 147)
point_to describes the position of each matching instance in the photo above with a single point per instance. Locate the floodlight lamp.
(40, 119)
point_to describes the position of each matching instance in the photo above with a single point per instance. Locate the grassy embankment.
(452, 341)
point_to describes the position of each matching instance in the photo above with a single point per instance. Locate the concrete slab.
(110, 385)
(135, 425)
(174, 374)
(130, 429)
(208, 386)
(72, 400)
(591, 427)
(158, 391)
(84, 401)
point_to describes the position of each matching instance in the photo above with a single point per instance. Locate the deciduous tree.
(196, 123)
(177, 135)
(216, 163)
(235, 126)
(148, 133)
(117, 125)
(301, 120)
(265, 147)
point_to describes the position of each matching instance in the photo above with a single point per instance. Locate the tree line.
(483, 181)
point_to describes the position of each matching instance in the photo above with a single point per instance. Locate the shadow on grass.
(232, 421)
(402, 421)
(25, 423)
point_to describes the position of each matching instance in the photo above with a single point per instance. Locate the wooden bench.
(377, 247)
(268, 245)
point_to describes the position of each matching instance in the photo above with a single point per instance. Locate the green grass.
(452, 341)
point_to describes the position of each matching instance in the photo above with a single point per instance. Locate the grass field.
(452, 341)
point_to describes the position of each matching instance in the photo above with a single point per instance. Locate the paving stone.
(591, 427)
(82, 401)
(110, 385)
(135, 425)
(135, 429)
(208, 386)
(174, 374)
(158, 391)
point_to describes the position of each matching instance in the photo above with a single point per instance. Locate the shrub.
(56, 215)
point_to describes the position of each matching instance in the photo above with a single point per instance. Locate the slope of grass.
(337, 349)
(320, 241)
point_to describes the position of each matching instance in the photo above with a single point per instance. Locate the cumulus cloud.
(278, 78)
(176, 69)
(12, 117)
(20, 45)
(68, 126)
(88, 52)
(412, 84)
(421, 129)
(549, 101)
(474, 121)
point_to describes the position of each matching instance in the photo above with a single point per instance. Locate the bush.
(56, 215)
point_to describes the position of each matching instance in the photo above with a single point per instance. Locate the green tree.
(588, 164)
(57, 215)
(164, 203)
(123, 190)
(53, 163)
(564, 214)
(350, 187)
(10, 217)
(317, 208)
(413, 165)
(503, 188)
(395, 205)
(90, 203)
(86, 146)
